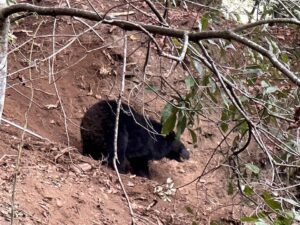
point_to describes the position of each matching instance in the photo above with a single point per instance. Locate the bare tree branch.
(155, 11)
(262, 22)
(146, 28)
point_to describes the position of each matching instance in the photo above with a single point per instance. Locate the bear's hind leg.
(140, 166)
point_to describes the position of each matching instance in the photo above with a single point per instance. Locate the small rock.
(59, 203)
(181, 170)
(130, 184)
(85, 166)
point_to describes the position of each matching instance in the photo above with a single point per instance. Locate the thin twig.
(51, 74)
(116, 131)
(156, 12)
(184, 49)
(24, 129)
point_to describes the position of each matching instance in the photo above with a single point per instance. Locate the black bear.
(139, 139)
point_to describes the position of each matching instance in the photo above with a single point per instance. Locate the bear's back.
(142, 134)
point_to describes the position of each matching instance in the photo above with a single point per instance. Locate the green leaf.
(250, 219)
(253, 66)
(205, 80)
(283, 220)
(253, 168)
(213, 85)
(166, 112)
(181, 124)
(284, 57)
(271, 202)
(243, 127)
(230, 188)
(213, 98)
(169, 124)
(224, 127)
(189, 82)
(204, 23)
(168, 118)
(248, 191)
(176, 42)
(189, 210)
(224, 119)
(190, 96)
(193, 135)
(233, 111)
(236, 142)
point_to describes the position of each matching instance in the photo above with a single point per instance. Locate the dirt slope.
(56, 185)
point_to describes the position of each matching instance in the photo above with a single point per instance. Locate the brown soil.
(56, 184)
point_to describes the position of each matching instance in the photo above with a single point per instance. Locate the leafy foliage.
(252, 92)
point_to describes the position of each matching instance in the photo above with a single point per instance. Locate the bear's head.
(178, 151)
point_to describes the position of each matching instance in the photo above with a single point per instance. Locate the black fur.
(136, 145)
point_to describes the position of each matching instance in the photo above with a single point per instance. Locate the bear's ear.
(171, 135)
